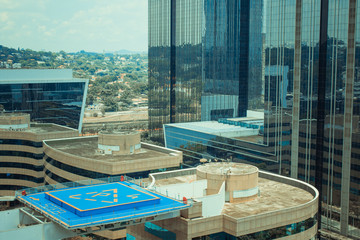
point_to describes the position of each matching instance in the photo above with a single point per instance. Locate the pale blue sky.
(74, 25)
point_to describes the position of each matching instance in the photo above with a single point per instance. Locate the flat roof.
(13, 76)
(87, 147)
(43, 128)
(273, 196)
(259, 139)
(211, 127)
(48, 127)
(219, 168)
(98, 203)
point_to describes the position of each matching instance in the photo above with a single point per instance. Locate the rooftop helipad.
(94, 199)
(98, 204)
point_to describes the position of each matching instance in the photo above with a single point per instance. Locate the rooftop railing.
(96, 220)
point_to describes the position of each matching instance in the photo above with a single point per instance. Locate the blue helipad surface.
(97, 204)
(94, 199)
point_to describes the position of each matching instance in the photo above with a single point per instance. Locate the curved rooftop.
(280, 201)
(221, 168)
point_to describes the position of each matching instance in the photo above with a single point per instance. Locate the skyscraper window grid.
(288, 79)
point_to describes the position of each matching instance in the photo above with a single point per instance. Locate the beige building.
(230, 200)
(105, 155)
(108, 154)
(21, 151)
(32, 155)
(234, 201)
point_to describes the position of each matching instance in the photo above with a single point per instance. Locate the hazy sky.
(74, 25)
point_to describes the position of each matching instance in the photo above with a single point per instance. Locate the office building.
(306, 81)
(33, 155)
(199, 56)
(48, 95)
(233, 201)
(106, 155)
(36, 154)
(21, 150)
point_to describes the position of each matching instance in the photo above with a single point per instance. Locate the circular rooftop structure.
(119, 142)
(241, 180)
(14, 121)
(222, 168)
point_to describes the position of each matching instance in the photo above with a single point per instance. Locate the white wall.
(212, 205)
(189, 190)
(9, 219)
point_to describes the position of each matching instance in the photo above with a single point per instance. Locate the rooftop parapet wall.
(14, 121)
(119, 143)
(274, 219)
(171, 174)
(253, 222)
(81, 152)
(40, 132)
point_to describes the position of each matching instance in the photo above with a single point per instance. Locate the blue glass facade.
(225, 47)
(48, 95)
(59, 103)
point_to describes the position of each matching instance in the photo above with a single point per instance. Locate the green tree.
(111, 104)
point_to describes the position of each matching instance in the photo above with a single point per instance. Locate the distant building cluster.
(9, 64)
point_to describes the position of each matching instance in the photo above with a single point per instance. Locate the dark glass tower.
(48, 95)
(297, 63)
(199, 55)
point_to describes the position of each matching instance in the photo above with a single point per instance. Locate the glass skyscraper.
(199, 60)
(294, 63)
(48, 95)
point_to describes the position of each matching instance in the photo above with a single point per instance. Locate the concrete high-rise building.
(48, 95)
(302, 58)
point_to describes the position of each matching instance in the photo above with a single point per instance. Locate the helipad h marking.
(75, 213)
(73, 196)
(133, 196)
(97, 199)
(99, 194)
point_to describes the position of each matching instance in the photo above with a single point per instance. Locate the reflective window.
(21, 142)
(37, 168)
(21, 154)
(21, 177)
(58, 103)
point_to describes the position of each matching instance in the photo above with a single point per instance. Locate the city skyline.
(73, 26)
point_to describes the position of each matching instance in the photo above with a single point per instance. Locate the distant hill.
(124, 51)
(119, 52)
